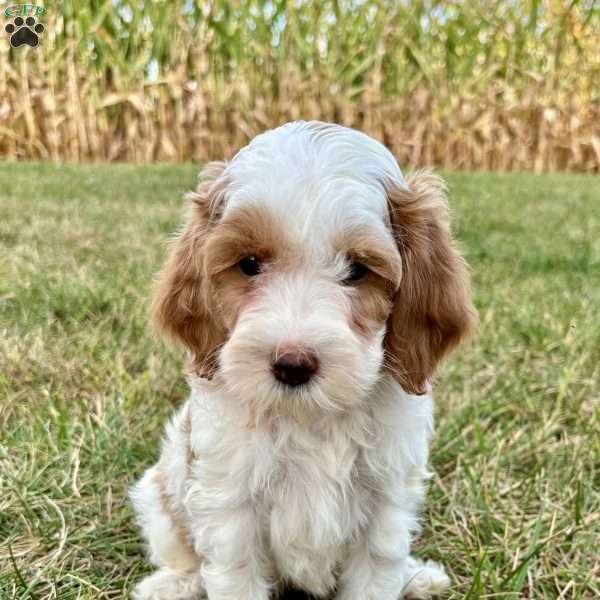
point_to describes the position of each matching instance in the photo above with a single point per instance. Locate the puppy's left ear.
(181, 307)
(432, 309)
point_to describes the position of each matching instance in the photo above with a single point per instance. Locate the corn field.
(491, 84)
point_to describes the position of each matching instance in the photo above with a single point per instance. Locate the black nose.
(295, 369)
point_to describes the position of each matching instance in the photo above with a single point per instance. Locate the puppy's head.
(308, 268)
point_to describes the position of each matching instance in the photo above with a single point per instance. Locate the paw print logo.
(24, 32)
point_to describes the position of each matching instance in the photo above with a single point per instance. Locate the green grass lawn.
(514, 505)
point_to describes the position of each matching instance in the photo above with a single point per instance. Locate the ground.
(514, 504)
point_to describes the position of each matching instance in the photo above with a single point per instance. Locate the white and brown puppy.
(316, 290)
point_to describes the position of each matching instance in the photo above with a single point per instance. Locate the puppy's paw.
(424, 580)
(169, 585)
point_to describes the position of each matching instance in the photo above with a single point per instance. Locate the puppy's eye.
(357, 272)
(250, 266)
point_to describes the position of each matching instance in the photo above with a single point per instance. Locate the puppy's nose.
(295, 367)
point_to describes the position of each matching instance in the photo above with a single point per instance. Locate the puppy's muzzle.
(295, 367)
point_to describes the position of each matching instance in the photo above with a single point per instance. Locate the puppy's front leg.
(379, 566)
(375, 566)
(235, 566)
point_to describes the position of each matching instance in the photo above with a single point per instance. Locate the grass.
(514, 506)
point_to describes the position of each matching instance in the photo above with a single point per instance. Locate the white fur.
(318, 178)
(318, 486)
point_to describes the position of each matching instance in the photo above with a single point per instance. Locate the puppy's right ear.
(433, 310)
(181, 304)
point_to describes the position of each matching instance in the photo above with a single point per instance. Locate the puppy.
(315, 290)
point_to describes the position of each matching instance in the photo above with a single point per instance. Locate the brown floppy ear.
(432, 309)
(181, 304)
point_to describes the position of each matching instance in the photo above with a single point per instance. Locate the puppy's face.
(308, 267)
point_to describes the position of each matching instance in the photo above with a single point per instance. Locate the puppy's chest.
(313, 497)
